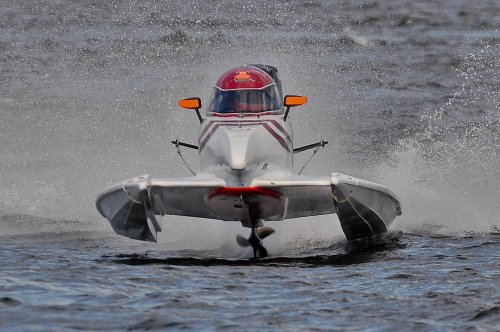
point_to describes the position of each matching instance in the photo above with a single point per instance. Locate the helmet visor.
(245, 101)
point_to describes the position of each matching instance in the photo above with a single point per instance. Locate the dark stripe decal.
(204, 130)
(207, 137)
(280, 128)
(276, 136)
(210, 129)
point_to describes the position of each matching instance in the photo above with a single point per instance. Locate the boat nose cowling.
(237, 152)
(243, 146)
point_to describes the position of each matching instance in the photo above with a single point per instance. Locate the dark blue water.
(405, 92)
(412, 282)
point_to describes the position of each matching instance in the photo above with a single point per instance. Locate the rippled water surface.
(88, 282)
(407, 94)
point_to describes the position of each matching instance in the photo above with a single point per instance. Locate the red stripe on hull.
(245, 191)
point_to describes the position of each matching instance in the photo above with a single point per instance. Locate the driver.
(245, 90)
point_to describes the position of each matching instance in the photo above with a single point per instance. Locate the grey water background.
(407, 93)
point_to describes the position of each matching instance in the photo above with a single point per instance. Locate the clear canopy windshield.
(245, 101)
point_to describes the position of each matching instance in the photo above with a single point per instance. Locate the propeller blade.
(264, 232)
(260, 252)
(242, 241)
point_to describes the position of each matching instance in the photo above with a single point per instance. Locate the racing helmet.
(245, 89)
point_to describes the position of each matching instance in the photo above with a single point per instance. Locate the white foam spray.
(448, 175)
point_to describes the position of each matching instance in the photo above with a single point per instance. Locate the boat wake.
(343, 253)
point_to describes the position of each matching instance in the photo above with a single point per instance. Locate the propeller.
(255, 240)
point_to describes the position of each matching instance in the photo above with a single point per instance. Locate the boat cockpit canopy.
(246, 100)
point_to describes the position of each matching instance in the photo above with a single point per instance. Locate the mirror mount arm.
(199, 115)
(286, 113)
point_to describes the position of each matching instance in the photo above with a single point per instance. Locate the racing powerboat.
(246, 150)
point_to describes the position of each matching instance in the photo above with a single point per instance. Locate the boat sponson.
(124, 207)
(364, 208)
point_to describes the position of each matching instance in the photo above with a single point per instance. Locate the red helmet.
(245, 89)
(246, 77)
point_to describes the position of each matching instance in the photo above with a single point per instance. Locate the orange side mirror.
(292, 101)
(190, 103)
